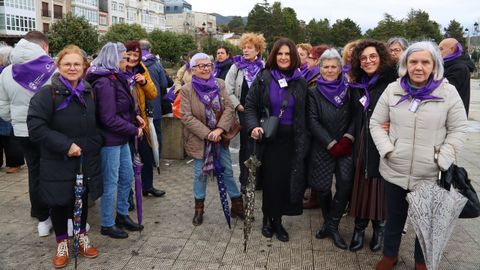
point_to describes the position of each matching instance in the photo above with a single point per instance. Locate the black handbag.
(458, 178)
(270, 123)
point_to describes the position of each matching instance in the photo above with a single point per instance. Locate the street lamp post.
(468, 41)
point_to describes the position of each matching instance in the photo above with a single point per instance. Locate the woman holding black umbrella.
(62, 119)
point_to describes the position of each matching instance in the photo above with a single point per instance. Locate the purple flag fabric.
(334, 91)
(34, 74)
(455, 54)
(422, 93)
(146, 55)
(310, 73)
(366, 84)
(250, 68)
(77, 92)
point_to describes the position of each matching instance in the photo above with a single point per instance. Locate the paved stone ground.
(170, 241)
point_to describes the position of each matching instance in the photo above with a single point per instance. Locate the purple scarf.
(99, 71)
(218, 66)
(34, 74)
(130, 76)
(250, 69)
(2, 67)
(77, 92)
(310, 73)
(334, 91)
(455, 54)
(303, 67)
(422, 93)
(208, 92)
(146, 55)
(346, 68)
(277, 94)
(366, 84)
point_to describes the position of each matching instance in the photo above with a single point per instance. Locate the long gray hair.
(5, 54)
(109, 56)
(428, 46)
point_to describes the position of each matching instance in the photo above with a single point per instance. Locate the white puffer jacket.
(414, 137)
(14, 99)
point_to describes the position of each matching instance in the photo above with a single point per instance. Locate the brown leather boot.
(61, 258)
(313, 202)
(237, 208)
(387, 263)
(198, 217)
(85, 249)
(420, 266)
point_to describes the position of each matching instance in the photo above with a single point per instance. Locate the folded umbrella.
(433, 212)
(252, 164)
(77, 209)
(154, 142)
(137, 169)
(222, 189)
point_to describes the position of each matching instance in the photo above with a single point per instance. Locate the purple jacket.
(115, 109)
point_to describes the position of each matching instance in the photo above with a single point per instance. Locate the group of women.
(374, 120)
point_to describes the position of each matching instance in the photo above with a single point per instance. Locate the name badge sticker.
(363, 100)
(413, 107)
(283, 83)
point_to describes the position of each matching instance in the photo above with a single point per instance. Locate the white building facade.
(17, 17)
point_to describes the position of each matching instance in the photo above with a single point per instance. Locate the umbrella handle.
(80, 168)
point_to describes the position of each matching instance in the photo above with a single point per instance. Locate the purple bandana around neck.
(310, 73)
(218, 66)
(303, 67)
(146, 55)
(455, 54)
(130, 76)
(187, 66)
(334, 91)
(278, 75)
(346, 68)
(34, 74)
(422, 93)
(277, 94)
(77, 92)
(2, 67)
(250, 69)
(366, 84)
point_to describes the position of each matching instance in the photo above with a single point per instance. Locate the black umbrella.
(252, 164)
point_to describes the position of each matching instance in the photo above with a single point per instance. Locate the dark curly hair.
(386, 61)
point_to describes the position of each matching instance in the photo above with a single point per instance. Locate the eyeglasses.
(202, 66)
(371, 58)
(69, 65)
(396, 50)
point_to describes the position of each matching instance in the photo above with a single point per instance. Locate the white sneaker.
(44, 227)
(70, 227)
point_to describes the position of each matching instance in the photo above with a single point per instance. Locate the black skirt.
(276, 174)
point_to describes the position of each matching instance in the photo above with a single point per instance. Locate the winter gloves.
(342, 148)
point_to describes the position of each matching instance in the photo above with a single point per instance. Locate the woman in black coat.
(61, 119)
(283, 158)
(223, 63)
(372, 71)
(329, 116)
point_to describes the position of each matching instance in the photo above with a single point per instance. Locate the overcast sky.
(366, 13)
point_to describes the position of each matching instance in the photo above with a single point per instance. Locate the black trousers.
(60, 215)
(13, 151)
(397, 209)
(31, 152)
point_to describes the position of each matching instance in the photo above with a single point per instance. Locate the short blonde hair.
(305, 46)
(71, 49)
(347, 48)
(256, 39)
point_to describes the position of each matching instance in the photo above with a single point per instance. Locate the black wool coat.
(55, 131)
(457, 72)
(258, 99)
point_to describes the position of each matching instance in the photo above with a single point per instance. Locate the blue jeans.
(117, 173)
(200, 181)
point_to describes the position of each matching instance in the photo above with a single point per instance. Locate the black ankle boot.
(114, 232)
(127, 222)
(358, 234)
(377, 237)
(332, 231)
(322, 232)
(325, 201)
(280, 231)
(267, 227)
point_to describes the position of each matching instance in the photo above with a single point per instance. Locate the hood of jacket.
(25, 51)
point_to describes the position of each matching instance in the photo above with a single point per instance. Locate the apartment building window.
(90, 15)
(103, 20)
(20, 23)
(46, 27)
(21, 4)
(45, 11)
(121, 7)
(57, 12)
(121, 20)
(114, 5)
(131, 14)
(114, 19)
(87, 2)
(2, 21)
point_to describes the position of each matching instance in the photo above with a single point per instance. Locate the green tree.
(455, 30)
(73, 30)
(259, 18)
(344, 31)
(292, 25)
(171, 46)
(319, 32)
(236, 25)
(123, 32)
(418, 26)
(386, 28)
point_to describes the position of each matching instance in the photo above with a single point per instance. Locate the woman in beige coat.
(426, 117)
(207, 113)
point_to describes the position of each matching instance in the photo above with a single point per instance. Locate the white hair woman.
(427, 118)
(207, 112)
(397, 45)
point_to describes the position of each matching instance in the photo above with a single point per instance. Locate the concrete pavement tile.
(106, 244)
(13, 198)
(16, 214)
(289, 258)
(181, 265)
(335, 260)
(203, 251)
(162, 247)
(27, 257)
(255, 257)
(14, 233)
(104, 261)
(142, 262)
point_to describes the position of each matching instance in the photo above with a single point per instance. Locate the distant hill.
(226, 19)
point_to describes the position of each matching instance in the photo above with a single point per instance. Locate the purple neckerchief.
(334, 91)
(277, 95)
(366, 84)
(250, 68)
(146, 55)
(34, 74)
(303, 67)
(346, 68)
(170, 96)
(187, 66)
(218, 66)
(130, 76)
(455, 54)
(77, 92)
(99, 71)
(2, 67)
(310, 73)
(422, 93)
